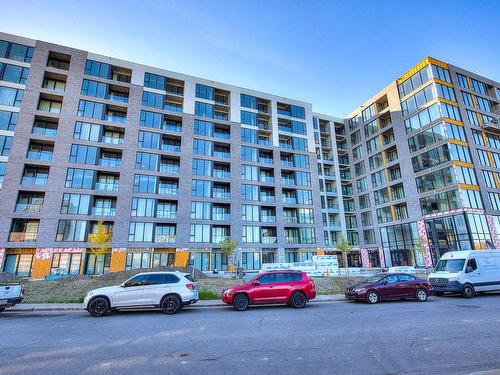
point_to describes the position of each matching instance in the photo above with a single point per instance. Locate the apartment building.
(172, 164)
(425, 162)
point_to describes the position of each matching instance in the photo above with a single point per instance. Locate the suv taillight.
(313, 286)
(191, 286)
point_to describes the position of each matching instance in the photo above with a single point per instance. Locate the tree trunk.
(346, 266)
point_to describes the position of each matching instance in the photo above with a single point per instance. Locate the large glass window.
(71, 230)
(11, 97)
(140, 232)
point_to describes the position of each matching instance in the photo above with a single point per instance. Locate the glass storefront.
(97, 265)
(66, 264)
(19, 264)
(398, 241)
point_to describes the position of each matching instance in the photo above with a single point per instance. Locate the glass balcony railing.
(290, 200)
(39, 155)
(110, 162)
(290, 219)
(165, 238)
(267, 179)
(269, 239)
(24, 208)
(264, 142)
(287, 181)
(173, 127)
(34, 180)
(221, 217)
(287, 163)
(22, 236)
(266, 160)
(112, 140)
(46, 132)
(167, 190)
(106, 186)
(268, 218)
(169, 168)
(222, 154)
(173, 107)
(103, 211)
(173, 148)
(217, 173)
(118, 98)
(164, 214)
(222, 135)
(221, 195)
(267, 198)
(174, 90)
(114, 118)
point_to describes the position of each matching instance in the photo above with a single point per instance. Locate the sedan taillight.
(191, 286)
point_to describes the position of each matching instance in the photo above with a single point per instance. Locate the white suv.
(166, 290)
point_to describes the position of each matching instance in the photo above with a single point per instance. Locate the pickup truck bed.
(10, 295)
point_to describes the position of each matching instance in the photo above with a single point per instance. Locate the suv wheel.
(421, 295)
(372, 297)
(468, 291)
(298, 300)
(241, 302)
(171, 304)
(98, 307)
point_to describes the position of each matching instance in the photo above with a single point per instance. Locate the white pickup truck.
(10, 295)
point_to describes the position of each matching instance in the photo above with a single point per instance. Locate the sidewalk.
(202, 304)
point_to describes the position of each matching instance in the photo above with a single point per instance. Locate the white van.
(467, 272)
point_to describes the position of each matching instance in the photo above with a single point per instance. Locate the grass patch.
(207, 294)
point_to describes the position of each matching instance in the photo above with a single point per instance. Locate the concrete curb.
(33, 307)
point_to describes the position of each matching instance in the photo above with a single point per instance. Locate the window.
(249, 192)
(97, 69)
(153, 100)
(146, 161)
(422, 118)
(71, 230)
(5, 145)
(79, 178)
(369, 236)
(11, 97)
(8, 120)
(202, 147)
(83, 154)
(415, 81)
(143, 207)
(446, 92)
(75, 204)
(249, 153)
(204, 128)
(145, 184)
(202, 167)
(140, 232)
(201, 188)
(87, 131)
(91, 109)
(3, 167)
(418, 100)
(201, 210)
(204, 109)
(204, 92)
(13, 73)
(432, 158)
(466, 175)
(248, 118)
(446, 201)
(248, 101)
(154, 81)
(441, 73)
(250, 234)
(368, 113)
(199, 233)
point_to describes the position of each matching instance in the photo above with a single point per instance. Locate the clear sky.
(333, 54)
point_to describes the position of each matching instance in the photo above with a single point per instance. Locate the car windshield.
(450, 265)
(372, 279)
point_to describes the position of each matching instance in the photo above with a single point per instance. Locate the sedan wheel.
(421, 295)
(298, 300)
(372, 297)
(241, 302)
(98, 307)
(171, 304)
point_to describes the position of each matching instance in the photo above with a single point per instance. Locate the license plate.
(3, 301)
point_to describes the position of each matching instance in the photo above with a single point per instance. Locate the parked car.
(384, 286)
(166, 290)
(10, 295)
(292, 287)
(467, 272)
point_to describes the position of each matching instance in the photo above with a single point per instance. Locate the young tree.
(100, 240)
(344, 247)
(419, 249)
(228, 245)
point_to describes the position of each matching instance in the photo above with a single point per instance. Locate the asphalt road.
(446, 335)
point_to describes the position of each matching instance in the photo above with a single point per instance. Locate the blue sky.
(334, 54)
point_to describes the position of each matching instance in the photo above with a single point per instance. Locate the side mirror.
(123, 285)
(255, 282)
(383, 282)
(468, 269)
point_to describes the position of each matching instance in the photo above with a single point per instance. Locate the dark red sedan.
(292, 287)
(390, 286)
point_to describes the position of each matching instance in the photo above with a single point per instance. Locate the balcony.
(269, 239)
(166, 214)
(287, 163)
(268, 218)
(103, 211)
(221, 195)
(39, 155)
(169, 147)
(290, 219)
(222, 135)
(174, 90)
(268, 179)
(117, 97)
(24, 208)
(218, 173)
(22, 236)
(172, 126)
(290, 200)
(265, 160)
(120, 119)
(264, 142)
(222, 154)
(169, 168)
(110, 162)
(112, 140)
(106, 186)
(165, 238)
(287, 181)
(221, 217)
(267, 198)
(40, 181)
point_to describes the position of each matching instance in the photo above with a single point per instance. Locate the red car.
(292, 287)
(389, 286)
